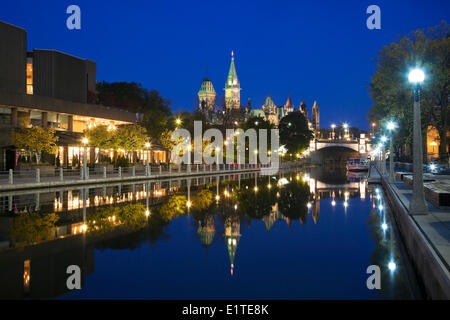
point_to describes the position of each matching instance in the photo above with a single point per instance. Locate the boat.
(357, 164)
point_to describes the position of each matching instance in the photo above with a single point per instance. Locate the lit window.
(29, 78)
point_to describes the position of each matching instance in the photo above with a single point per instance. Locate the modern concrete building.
(48, 88)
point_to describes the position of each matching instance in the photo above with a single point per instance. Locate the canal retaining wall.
(426, 261)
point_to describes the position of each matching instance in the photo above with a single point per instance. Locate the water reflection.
(44, 232)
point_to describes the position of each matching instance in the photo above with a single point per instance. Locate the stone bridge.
(324, 149)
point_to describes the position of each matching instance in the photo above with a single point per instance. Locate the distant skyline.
(313, 51)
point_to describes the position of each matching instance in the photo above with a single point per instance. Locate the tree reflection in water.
(32, 227)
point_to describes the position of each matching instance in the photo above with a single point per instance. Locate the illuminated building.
(49, 88)
(232, 235)
(206, 230)
(232, 88)
(207, 99)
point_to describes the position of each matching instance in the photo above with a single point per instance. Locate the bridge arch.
(334, 155)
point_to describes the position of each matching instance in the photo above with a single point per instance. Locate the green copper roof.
(269, 102)
(232, 78)
(207, 87)
(281, 112)
(257, 113)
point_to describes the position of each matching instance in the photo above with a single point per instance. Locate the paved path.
(427, 237)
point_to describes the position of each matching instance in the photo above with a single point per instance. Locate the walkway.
(427, 237)
(28, 182)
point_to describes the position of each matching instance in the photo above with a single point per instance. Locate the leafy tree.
(392, 94)
(36, 140)
(131, 137)
(101, 137)
(133, 97)
(174, 207)
(294, 132)
(129, 217)
(202, 200)
(293, 200)
(32, 227)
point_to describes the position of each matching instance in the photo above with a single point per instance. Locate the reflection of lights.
(147, 213)
(255, 189)
(308, 205)
(84, 227)
(188, 204)
(378, 197)
(269, 186)
(345, 204)
(384, 226)
(392, 266)
(380, 207)
(235, 207)
(333, 203)
(217, 197)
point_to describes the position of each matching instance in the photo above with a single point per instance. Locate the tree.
(294, 132)
(36, 140)
(392, 94)
(33, 227)
(102, 138)
(131, 137)
(133, 97)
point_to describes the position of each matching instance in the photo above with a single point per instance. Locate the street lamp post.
(345, 130)
(417, 204)
(391, 127)
(333, 126)
(147, 146)
(383, 154)
(217, 158)
(85, 172)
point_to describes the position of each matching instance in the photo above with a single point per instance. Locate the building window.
(36, 118)
(29, 78)
(57, 121)
(5, 116)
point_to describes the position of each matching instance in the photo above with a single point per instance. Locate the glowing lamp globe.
(416, 76)
(391, 125)
(392, 266)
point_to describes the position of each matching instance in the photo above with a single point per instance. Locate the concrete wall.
(13, 46)
(60, 75)
(44, 103)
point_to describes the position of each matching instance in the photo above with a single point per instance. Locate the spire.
(232, 75)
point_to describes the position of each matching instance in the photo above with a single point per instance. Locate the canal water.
(306, 234)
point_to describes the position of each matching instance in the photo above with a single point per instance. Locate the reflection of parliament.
(232, 110)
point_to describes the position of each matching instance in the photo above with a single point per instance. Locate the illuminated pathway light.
(392, 266)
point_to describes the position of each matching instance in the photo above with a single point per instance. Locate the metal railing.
(49, 174)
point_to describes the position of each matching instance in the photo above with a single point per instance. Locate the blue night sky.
(312, 50)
